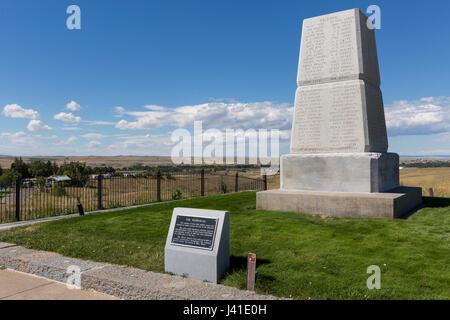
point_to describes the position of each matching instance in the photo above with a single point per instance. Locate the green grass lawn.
(298, 255)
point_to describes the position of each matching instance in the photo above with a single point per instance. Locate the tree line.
(427, 164)
(41, 170)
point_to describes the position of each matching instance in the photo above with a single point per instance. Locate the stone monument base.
(340, 172)
(395, 203)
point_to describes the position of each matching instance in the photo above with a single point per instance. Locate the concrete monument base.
(340, 172)
(395, 203)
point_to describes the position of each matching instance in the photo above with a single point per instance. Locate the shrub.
(59, 189)
(176, 195)
(40, 182)
(169, 176)
(223, 186)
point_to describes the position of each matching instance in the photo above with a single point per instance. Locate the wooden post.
(202, 183)
(80, 207)
(158, 186)
(236, 183)
(18, 198)
(431, 192)
(251, 271)
(99, 192)
(265, 181)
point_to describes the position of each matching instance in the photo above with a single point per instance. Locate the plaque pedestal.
(192, 252)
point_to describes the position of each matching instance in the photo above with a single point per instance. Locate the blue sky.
(139, 69)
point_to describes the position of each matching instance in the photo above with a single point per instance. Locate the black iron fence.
(25, 201)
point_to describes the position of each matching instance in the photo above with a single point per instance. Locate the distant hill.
(94, 161)
(97, 161)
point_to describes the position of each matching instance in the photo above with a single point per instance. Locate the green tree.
(40, 182)
(21, 167)
(41, 169)
(59, 189)
(7, 178)
(77, 171)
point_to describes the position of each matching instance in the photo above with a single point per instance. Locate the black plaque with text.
(195, 232)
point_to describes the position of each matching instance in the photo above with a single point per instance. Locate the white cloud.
(219, 115)
(71, 128)
(73, 106)
(93, 136)
(93, 144)
(66, 141)
(16, 137)
(22, 138)
(102, 123)
(22, 143)
(16, 111)
(119, 110)
(37, 125)
(428, 115)
(155, 144)
(66, 117)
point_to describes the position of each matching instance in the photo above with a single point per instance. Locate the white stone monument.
(339, 164)
(198, 244)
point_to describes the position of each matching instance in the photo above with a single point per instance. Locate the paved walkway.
(20, 286)
(113, 280)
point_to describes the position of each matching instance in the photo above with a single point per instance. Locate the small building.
(61, 178)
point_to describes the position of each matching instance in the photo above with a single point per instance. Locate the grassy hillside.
(298, 255)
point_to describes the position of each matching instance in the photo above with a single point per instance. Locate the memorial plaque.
(198, 244)
(195, 232)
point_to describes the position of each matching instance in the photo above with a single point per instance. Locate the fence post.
(236, 183)
(18, 198)
(99, 191)
(202, 183)
(431, 191)
(158, 186)
(265, 181)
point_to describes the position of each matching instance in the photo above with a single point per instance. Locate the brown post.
(236, 183)
(251, 271)
(431, 192)
(80, 207)
(265, 181)
(202, 183)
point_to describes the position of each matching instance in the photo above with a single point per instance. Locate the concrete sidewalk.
(119, 281)
(20, 286)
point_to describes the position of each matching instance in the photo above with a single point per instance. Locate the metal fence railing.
(31, 201)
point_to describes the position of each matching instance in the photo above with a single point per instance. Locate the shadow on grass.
(436, 202)
(429, 202)
(240, 263)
